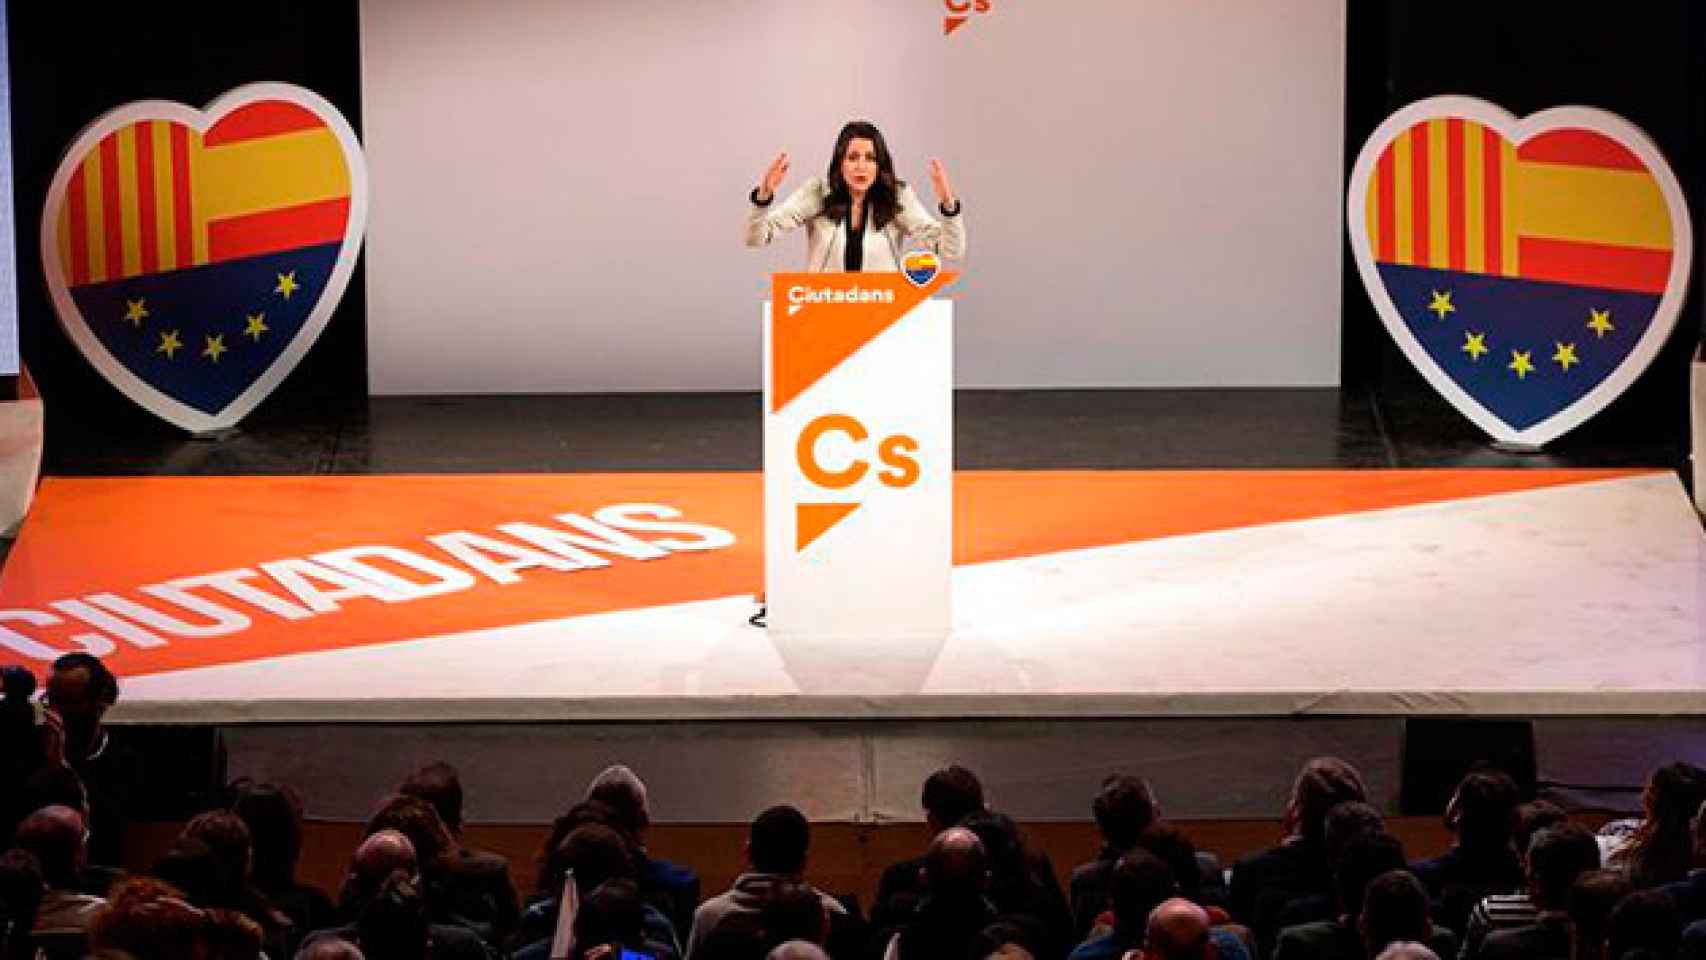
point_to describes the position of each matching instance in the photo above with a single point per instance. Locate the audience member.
(57, 786)
(330, 948)
(671, 887)
(273, 815)
(388, 912)
(1662, 848)
(1344, 821)
(594, 854)
(1023, 890)
(20, 744)
(228, 837)
(1178, 930)
(797, 950)
(440, 785)
(1589, 905)
(1140, 882)
(80, 691)
(149, 919)
(1394, 908)
(615, 917)
(1010, 941)
(1407, 950)
(57, 838)
(1361, 859)
(1690, 891)
(1263, 883)
(21, 891)
(453, 898)
(1693, 945)
(954, 908)
(1483, 861)
(950, 795)
(1507, 911)
(1124, 807)
(1643, 920)
(777, 845)
(1556, 857)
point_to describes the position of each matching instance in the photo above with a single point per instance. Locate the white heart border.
(76, 325)
(1517, 132)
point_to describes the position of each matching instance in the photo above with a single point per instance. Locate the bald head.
(382, 853)
(956, 863)
(54, 834)
(797, 950)
(1407, 950)
(330, 948)
(1178, 930)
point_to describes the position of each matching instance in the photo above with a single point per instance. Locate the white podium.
(858, 457)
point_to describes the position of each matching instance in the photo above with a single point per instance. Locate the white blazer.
(826, 240)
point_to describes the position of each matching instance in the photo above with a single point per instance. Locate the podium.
(858, 456)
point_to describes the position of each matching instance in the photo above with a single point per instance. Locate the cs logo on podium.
(896, 453)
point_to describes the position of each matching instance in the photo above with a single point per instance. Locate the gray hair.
(797, 950)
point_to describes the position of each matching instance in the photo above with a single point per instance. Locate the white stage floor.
(1580, 598)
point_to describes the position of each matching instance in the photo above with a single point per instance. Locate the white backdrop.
(1152, 187)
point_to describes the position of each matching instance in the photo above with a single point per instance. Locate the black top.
(855, 256)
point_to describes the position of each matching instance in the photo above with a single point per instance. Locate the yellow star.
(1565, 356)
(135, 311)
(169, 344)
(1474, 344)
(257, 326)
(286, 284)
(1522, 363)
(1601, 322)
(1442, 304)
(215, 347)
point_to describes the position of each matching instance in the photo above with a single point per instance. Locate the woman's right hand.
(773, 177)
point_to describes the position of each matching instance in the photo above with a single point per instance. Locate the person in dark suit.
(1483, 861)
(1123, 807)
(440, 785)
(950, 795)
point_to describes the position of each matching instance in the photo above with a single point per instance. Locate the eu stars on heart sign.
(1530, 268)
(194, 256)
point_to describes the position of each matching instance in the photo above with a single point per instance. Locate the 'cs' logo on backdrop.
(1530, 269)
(959, 11)
(195, 255)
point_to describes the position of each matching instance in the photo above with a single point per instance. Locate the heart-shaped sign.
(920, 267)
(195, 255)
(1530, 269)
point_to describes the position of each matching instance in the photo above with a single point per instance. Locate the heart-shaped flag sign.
(920, 267)
(195, 255)
(1530, 269)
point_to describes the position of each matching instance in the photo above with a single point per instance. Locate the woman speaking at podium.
(859, 216)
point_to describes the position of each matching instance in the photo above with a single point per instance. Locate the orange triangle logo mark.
(950, 24)
(818, 320)
(813, 520)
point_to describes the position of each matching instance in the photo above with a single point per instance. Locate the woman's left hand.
(939, 180)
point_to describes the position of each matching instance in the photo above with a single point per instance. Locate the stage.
(1139, 612)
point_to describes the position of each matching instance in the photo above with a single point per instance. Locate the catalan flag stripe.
(147, 218)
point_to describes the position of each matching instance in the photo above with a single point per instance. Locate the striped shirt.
(1501, 911)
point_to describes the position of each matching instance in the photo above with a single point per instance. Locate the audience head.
(1394, 907)
(228, 836)
(797, 950)
(1363, 859)
(55, 836)
(1347, 820)
(950, 795)
(191, 866)
(955, 866)
(1124, 808)
(81, 689)
(1322, 784)
(330, 948)
(1177, 929)
(1644, 920)
(21, 891)
(595, 853)
(579, 815)
(1556, 857)
(778, 840)
(54, 785)
(1407, 950)
(1140, 882)
(1590, 901)
(611, 913)
(439, 785)
(1170, 845)
(1533, 817)
(1483, 810)
(622, 794)
(1007, 940)
(381, 854)
(229, 935)
(149, 919)
(274, 817)
(417, 820)
(793, 911)
(1663, 846)
(1004, 853)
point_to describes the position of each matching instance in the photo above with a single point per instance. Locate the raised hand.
(773, 177)
(939, 180)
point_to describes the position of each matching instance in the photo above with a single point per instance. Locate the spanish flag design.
(1528, 270)
(195, 256)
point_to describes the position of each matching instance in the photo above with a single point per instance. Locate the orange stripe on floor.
(92, 536)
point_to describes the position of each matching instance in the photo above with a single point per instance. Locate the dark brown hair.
(883, 198)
